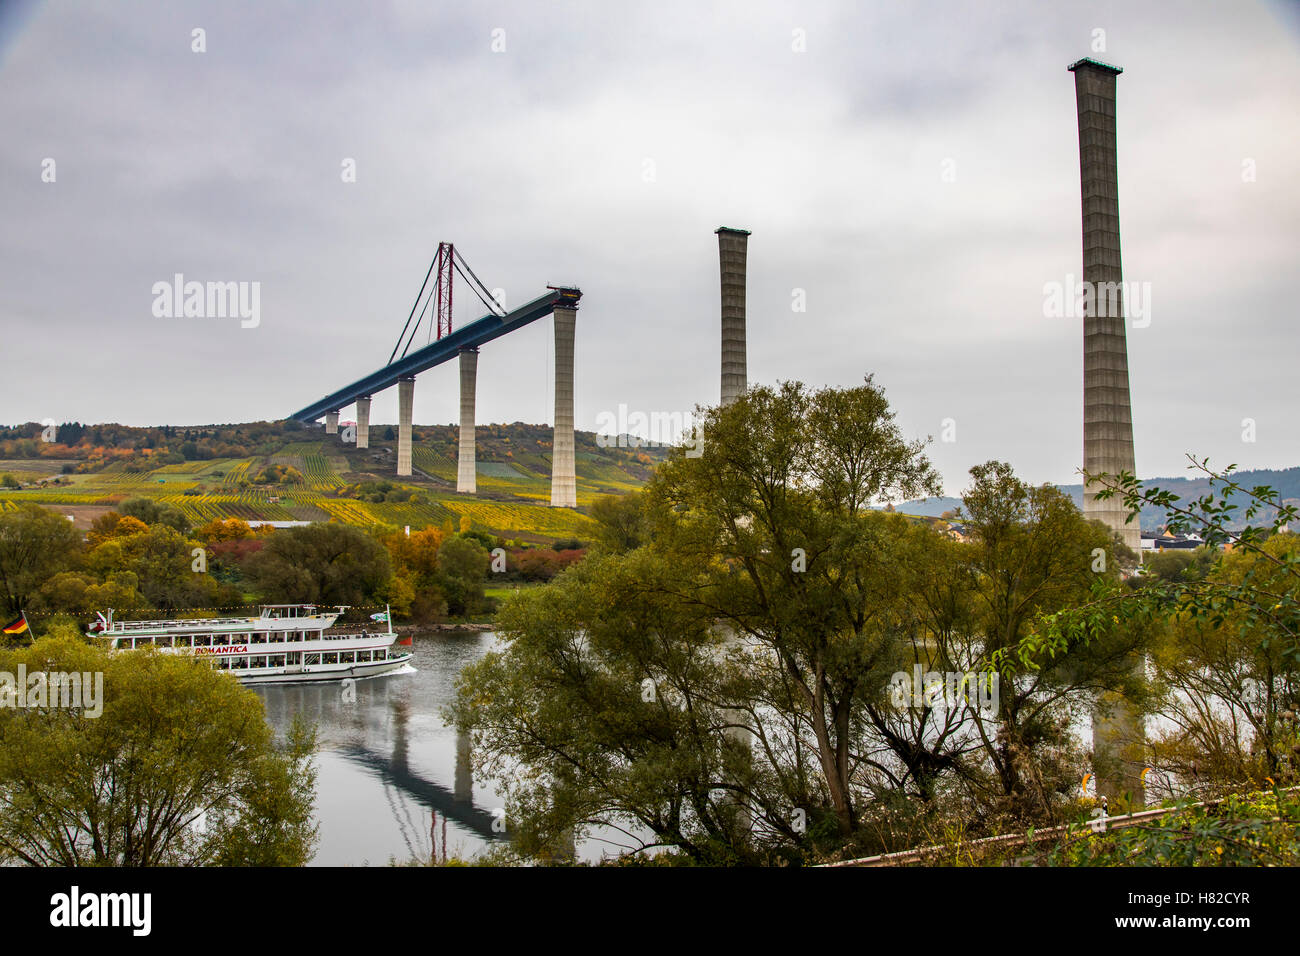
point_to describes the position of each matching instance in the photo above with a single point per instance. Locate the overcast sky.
(601, 147)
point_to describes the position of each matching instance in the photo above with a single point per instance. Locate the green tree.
(613, 700)
(1034, 554)
(774, 518)
(179, 768)
(620, 521)
(463, 566)
(772, 592)
(1229, 694)
(155, 512)
(320, 564)
(1241, 622)
(35, 544)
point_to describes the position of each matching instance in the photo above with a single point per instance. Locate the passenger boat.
(284, 644)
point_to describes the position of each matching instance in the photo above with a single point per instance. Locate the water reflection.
(387, 762)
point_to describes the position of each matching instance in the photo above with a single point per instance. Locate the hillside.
(1285, 481)
(288, 472)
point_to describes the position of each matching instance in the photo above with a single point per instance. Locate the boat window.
(275, 660)
(202, 640)
(259, 638)
(330, 658)
(311, 658)
(239, 663)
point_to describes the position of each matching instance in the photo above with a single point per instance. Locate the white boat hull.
(316, 673)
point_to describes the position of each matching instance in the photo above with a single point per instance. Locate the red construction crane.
(437, 299)
(443, 287)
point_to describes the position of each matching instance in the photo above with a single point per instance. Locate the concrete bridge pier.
(733, 246)
(331, 423)
(466, 463)
(564, 484)
(405, 403)
(363, 421)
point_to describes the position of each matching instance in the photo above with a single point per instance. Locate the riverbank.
(477, 626)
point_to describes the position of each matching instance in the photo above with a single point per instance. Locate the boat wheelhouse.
(283, 644)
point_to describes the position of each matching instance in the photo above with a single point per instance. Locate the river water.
(386, 761)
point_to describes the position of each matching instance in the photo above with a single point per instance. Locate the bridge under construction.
(434, 305)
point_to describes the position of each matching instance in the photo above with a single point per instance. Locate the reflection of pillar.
(566, 850)
(739, 742)
(331, 423)
(405, 401)
(732, 247)
(564, 485)
(463, 785)
(465, 461)
(1107, 415)
(363, 422)
(401, 744)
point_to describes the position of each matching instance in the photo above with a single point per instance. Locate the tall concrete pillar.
(1107, 414)
(331, 423)
(564, 483)
(466, 468)
(732, 247)
(405, 402)
(363, 422)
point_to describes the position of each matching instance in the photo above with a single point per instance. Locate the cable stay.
(436, 297)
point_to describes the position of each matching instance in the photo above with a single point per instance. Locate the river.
(386, 760)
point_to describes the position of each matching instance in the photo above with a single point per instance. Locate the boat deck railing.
(313, 636)
(244, 623)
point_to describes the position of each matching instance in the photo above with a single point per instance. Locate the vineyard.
(513, 484)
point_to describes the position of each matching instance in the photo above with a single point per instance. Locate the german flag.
(17, 626)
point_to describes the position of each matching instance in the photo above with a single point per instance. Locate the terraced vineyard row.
(502, 516)
(319, 472)
(236, 473)
(433, 463)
